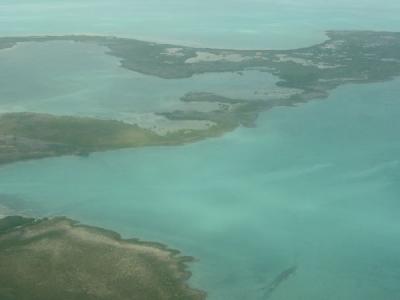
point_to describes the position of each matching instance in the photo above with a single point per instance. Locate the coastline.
(168, 266)
(304, 74)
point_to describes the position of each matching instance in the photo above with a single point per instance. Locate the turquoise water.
(212, 23)
(314, 186)
(80, 79)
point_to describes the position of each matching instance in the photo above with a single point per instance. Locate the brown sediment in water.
(60, 259)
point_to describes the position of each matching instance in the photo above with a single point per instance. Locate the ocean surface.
(314, 186)
(214, 23)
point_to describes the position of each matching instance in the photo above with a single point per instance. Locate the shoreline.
(162, 41)
(347, 57)
(70, 36)
(173, 264)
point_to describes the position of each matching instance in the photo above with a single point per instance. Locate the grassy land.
(82, 133)
(31, 135)
(346, 57)
(60, 259)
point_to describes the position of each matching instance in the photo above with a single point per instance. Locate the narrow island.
(346, 57)
(61, 259)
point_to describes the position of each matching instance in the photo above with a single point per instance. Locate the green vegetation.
(60, 259)
(346, 57)
(86, 134)
(32, 135)
(29, 135)
(10, 223)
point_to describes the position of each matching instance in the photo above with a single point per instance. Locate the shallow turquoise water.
(212, 23)
(80, 79)
(314, 186)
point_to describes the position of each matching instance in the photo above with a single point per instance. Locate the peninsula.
(59, 258)
(346, 57)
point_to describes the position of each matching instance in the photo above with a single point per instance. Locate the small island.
(59, 258)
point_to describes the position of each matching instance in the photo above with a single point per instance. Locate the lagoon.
(80, 79)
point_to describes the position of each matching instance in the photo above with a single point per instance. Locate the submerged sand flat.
(61, 259)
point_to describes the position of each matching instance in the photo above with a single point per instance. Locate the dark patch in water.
(279, 279)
